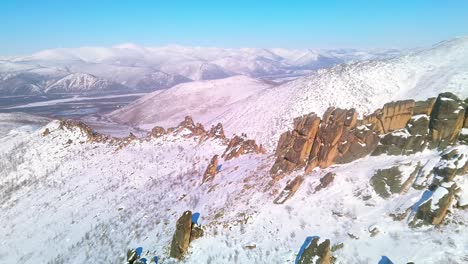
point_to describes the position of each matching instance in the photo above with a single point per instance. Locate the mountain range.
(132, 68)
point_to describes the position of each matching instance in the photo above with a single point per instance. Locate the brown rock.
(289, 190)
(181, 238)
(240, 146)
(294, 147)
(211, 170)
(424, 107)
(217, 131)
(316, 253)
(395, 115)
(157, 131)
(325, 181)
(447, 120)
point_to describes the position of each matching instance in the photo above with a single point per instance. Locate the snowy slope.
(365, 86)
(86, 202)
(203, 100)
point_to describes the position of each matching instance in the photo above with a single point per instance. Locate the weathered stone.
(316, 253)
(196, 232)
(294, 147)
(325, 181)
(289, 190)
(395, 115)
(418, 125)
(46, 132)
(181, 238)
(434, 210)
(325, 148)
(217, 131)
(400, 143)
(211, 170)
(157, 131)
(386, 181)
(240, 146)
(452, 163)
(424, 107)
(447, 120)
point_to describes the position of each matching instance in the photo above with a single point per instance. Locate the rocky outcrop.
(316, 253)
(157, 131)
(399, 128)
(289, 190)
(181, 238)
(211, 170)
(447, 120)
(186, 231)
(294, 147)
(240, 145)
(434, 210)
(217, 132)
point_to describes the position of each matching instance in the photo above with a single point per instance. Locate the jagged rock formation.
(295, 146)
(240, 145)
(211, 170)
(181, 238)
(399, 128)
(316, 253)
(186, 232)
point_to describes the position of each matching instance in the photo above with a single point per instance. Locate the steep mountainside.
(364, 86)
(203, 99)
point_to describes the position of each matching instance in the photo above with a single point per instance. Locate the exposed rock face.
(294, 147)
(289, 190)
(316, 253)
(399, 128)
(395, 115)
(211, 170)
(217, 131)
(188, 128)
(434, 210)
(447, 120)
(240, 145)
(336, 123)
(181, 238)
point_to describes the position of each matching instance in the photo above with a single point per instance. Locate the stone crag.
(399, 128)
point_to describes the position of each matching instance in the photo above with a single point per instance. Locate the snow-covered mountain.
(362, 85)
(83, 82)
(146, 69)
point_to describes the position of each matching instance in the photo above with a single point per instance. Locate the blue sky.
(28, 26)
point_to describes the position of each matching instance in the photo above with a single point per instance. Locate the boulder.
(211, 170)
(451, 164)
(434, 210)
(289, 190)
(447, 120)
(157, 131)
(387, 181)
(196, 232)
(316, 253)
(181, 238)
(325, 181)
